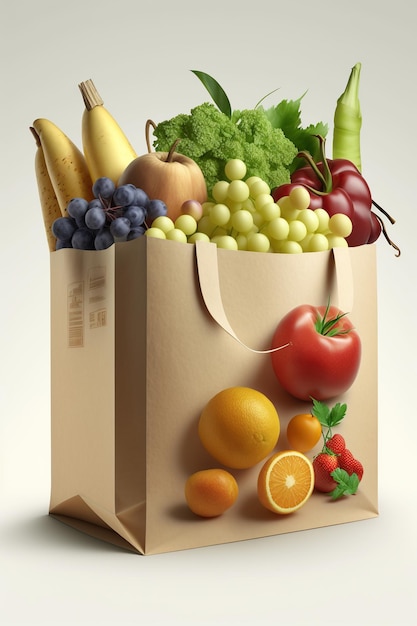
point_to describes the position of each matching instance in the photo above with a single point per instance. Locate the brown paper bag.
(143, 335)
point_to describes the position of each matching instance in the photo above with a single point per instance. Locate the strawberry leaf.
(337, 413)
(321, 411)
(346, 485)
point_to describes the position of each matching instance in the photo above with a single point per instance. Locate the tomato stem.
(328, 327)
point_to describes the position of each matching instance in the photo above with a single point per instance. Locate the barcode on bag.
(97, 297)
(98, 318)
(76, 315)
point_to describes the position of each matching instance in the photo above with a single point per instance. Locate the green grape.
(336, 241)
(219, 191)
(164, 223)
(258, 242)
(258, 219)
(242, 242)
(176, 235)
(219, 231)
(278, 228)
(198, 237)
(157, 233)
(310, 219)
(323, 216)
(258, 186)
(305, 243)
(249, 205)
(300, 198)
(206, 206)
(253, 179)
(318, 243)
(235, 169)
(234, 206)
(186, 223)
(270, 211)
(238, 191)
(287, 209)
(262, 199)
(242, 221)
(290, 247)
(340, 224)
(297, 230)
(226, 242)
(219, 214)
(205, 225)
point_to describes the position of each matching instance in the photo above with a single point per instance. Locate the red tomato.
(324, 354)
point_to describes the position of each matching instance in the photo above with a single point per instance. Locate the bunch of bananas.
(63, 171)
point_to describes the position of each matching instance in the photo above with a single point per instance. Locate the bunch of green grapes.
(243, 215)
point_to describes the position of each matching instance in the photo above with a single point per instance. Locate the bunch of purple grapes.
(117, 213)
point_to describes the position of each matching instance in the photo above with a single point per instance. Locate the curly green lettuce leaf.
(287, 116)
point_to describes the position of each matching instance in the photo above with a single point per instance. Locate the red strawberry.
(323, 465)
(351, 465)
(336, 444)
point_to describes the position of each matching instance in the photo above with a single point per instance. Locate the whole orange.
(239, 427)
(211, 492)
(303, 432)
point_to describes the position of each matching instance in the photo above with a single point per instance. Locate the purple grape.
(95, 218)
(63, 228)
(60, 244)
(77, 208)
(135, 214)
(136, 232)
(141, 198)
(83, 239)
(95, 204)
(155, 209)
(103, 188)
(104, 239)
(124, 195)
(120, 227)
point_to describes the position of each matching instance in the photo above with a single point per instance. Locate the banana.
(47, 196)
(66, 164)
(106, 148)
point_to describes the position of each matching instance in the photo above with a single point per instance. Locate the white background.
(139, 55)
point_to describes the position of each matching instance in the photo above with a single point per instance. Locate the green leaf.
(337, 413)
(346, 485)
(321, 411)
(216, 92)
(287, 116)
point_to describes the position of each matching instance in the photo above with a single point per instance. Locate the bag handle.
(343, 279)
(208, 275)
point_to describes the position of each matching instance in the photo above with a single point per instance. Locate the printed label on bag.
(76, 314)
(97, 297)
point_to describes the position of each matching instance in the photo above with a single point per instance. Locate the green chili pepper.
(348, 122)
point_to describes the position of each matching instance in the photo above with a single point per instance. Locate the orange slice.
(285, 482)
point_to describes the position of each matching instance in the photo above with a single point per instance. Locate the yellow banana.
(66, 164)
(47, 196)
(106, 148)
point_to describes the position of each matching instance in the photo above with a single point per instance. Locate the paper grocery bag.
(143, 334)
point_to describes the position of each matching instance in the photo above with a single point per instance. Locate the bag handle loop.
(343, 279)
(208, 275)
